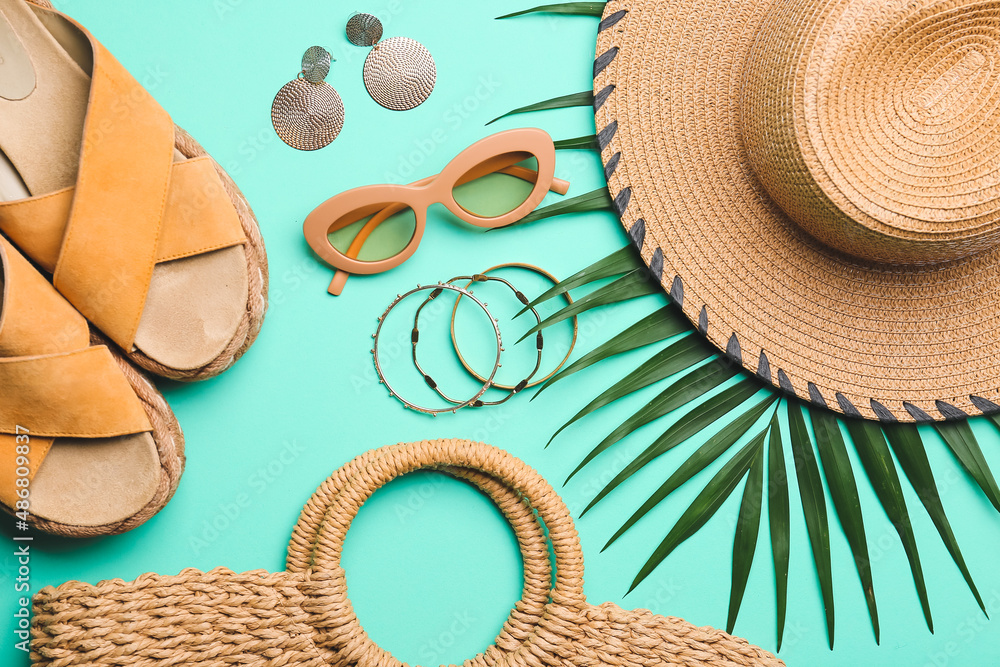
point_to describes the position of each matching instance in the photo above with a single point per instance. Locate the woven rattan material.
(736, 134)
(302, 617)
(400, 73)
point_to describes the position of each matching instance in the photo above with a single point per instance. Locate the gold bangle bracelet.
(534, 269)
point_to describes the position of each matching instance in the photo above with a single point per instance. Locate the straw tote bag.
(303, 618)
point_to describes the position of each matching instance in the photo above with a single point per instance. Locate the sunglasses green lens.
(497, 194)
(382, 240)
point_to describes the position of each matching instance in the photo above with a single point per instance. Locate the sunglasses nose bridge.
(435, 190)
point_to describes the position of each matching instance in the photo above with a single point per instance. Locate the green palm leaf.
(630, 286)
(688, 425)
(617, 263)
(813, 506)
(704, 506)
(582, 99)
(701, 459)
(995, 417)
(846, 504)
(877, 461)
(869, 440)
(587, 143)
(909, 450)
(699, 381)
(595, 200)
(673, 359)
(745, 541)
(578, 8)
(777, 511)
(656, 327)
(960, 439)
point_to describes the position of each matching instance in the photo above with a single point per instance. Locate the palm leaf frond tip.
(577, 8)
(735, 403)
(656, 327)
(595, 200)
(581, 99)
(617, 263)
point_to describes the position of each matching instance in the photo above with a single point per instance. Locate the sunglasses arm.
(340, 276)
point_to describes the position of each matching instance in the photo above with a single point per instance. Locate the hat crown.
(874, 124)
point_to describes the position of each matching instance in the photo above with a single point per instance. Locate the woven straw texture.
(303, 617)
(817, 185)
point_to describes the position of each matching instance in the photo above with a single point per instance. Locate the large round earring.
(307, 113)
(399, 72)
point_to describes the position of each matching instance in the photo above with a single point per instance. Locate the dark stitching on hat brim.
(733, 350)
(676, 290)
(602, 61)
(984, 405)
(656, 265)
(764, 368)
(847, 406)
(637, 233)
(611, 20)
(621, 201)
(918, 415)
(785, 384)
(605, 136)
(815, 396)
(883, 413)
(612, 164)
(601, 97)
(949, 411)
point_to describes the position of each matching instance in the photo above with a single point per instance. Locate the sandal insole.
(97, 481)
(40, 135)
(93, 482)
(217, 282)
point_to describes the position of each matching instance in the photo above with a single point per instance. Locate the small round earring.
(307, 113)
(399, 72)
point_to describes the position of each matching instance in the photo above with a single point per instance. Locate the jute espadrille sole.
(159, 342)
(169, 441)
(257, 276)
(88, 446)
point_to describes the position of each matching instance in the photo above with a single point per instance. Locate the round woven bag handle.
(531, 540)
(341, 629)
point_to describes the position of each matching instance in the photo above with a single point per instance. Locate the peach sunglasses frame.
(498, 153)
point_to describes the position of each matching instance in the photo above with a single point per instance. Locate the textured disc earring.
(307, 113)
(399, 72)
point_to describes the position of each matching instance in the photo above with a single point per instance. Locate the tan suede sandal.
(88, 446)
(142, 231)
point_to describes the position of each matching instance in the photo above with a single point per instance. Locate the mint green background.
(432, 568)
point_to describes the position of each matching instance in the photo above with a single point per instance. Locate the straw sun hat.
(817, 184)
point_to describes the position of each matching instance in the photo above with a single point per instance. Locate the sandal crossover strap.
(132, 206)
(53, 383)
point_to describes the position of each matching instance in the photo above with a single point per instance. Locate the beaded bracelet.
(482, 278)
(436, 290)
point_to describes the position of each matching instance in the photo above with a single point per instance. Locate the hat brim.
(881, 342)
